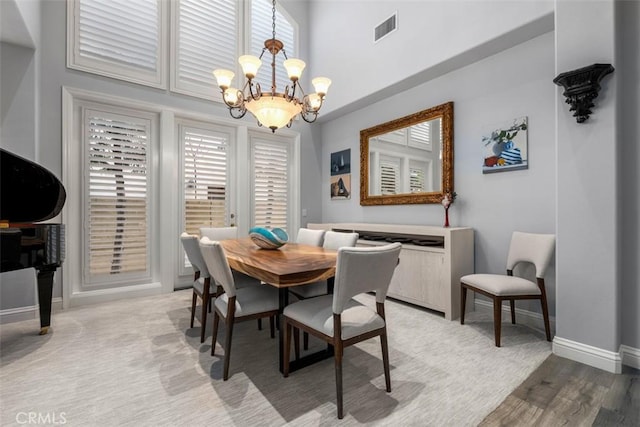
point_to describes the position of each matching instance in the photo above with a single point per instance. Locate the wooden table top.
(291, 265)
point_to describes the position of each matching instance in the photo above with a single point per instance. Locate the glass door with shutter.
(271, 161)
(207, 178)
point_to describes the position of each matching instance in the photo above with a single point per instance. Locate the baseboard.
(606, 360)
(630, 356)
(113, 294)
(523, 317)
(18, 314)
(29, 312)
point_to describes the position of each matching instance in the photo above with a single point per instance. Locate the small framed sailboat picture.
(505, 147)
(341, 174)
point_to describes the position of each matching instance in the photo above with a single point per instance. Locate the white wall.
(514, 83)
(628, 74)
(587, 249)
(429, 34)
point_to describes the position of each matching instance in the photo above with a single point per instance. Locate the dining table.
(293, 264)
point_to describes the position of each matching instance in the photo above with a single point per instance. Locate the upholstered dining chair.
(307, 236)
(332, 240)
(202, 286)
(340, 320)
(219, 233)
(235, 304)
(536, 249)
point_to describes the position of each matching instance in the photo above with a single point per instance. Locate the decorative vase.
(446, 216)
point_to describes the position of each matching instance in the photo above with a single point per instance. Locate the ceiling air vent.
(388, 26)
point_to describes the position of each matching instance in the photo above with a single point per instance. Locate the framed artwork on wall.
(341, 174)
(505, 147)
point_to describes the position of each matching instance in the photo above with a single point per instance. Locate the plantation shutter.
(420, 136)
(270, 184)
(206, 39)
(389, 177)
(261, 30)
(205, 178)
(119, 38)
(117, 189)
(416, 179)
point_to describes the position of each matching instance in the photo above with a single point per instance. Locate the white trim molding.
(630, 356)
(29, 312)
(609, 361)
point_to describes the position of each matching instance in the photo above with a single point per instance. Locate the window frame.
(157, 79)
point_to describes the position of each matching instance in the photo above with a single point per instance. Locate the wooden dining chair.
(340, 320)
(536, 249)
(235, 304)
(332, 240)
(202, 286)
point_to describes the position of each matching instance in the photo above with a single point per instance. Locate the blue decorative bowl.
(268, 238)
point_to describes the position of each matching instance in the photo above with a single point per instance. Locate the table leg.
(283, 301)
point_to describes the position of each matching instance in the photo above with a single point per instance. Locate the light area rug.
(137, 363)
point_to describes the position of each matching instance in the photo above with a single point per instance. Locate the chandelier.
(272, 109)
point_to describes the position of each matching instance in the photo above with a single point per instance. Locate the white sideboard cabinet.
(432, 261)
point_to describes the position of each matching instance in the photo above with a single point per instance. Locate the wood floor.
(566, 393)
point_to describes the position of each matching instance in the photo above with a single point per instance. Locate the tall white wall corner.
(606, 360)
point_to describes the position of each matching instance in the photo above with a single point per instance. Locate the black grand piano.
(31, 194)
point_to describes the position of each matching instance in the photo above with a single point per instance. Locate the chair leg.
(272, 326)
(545, 316)
(385, 360)
(194, 299)
(296, 342)
(338, 363)
(463, 303)
(286, 350)
(216, 320)
(497, 319)
(227, 348)
(305, 341)
(512, 303)
(205, 305)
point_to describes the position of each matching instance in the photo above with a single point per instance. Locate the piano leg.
(45, 291)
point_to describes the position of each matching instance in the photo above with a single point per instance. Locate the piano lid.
(28, 192)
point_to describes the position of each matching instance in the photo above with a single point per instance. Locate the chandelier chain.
(273, 17)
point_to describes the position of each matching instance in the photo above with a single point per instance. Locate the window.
(416, 179)
(270, 162)
(389, 176)
(205, 37)
(420, 136)
(205, 176)
(117, 196)
(127, 40)
(118, 38)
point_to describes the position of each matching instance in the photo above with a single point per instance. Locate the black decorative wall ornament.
(581, 87)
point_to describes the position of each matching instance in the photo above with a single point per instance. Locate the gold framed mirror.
(408, 160)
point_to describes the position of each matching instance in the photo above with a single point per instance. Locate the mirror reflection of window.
(389, 176)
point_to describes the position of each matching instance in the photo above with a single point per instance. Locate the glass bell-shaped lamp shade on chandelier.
(272, 109)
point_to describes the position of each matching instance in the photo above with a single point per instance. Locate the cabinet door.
(419, 278)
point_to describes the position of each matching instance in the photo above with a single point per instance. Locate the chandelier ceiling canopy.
(272, 109)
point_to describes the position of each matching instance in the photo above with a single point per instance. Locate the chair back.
(534, 248)
(335, 240)
(364, 269)
(306, 236)
(191, 247)
(219, 269)
(219, 233)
